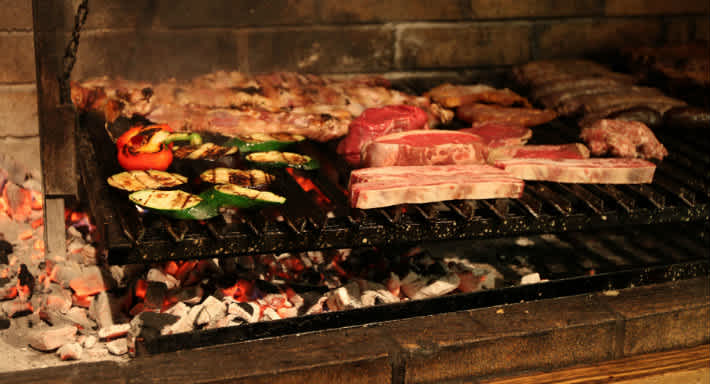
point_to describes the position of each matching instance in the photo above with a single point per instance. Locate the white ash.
(48, 339)
(71, 351)
(117, 347)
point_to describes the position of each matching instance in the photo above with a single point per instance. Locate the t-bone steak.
(424, 147)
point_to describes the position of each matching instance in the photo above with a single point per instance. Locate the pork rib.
(590, 171)
(623, 139)
(483, 113)
(424, 147)
(451, 96)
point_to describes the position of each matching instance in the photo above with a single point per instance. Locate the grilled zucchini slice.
(151, 179)
(261, 142)
(276, 159)
(176, 204)
(205, 151)
(240, 197)
(250, 178)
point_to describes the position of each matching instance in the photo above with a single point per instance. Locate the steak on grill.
(451, 96)
(500, 134)
(550, 152)
(387, 186)
(622, 139)
(376, 122)
(588, 171)
(424, 147)
(483, 113)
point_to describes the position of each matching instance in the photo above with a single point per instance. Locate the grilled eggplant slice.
(150, 179)
(250, 178)
(176, 204)
(262, 142)
(205, 151)
(275, 159)
(240, 197)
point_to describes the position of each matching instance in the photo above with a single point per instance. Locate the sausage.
(645, 115)
(687, 118)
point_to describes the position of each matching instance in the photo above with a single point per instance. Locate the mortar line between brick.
(17, 87)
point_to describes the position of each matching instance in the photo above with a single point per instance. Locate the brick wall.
(154, 39)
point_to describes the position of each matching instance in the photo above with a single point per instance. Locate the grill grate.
(679, 193)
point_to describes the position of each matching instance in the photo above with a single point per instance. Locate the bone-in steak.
(387, 186)
(376, 122)
(424, 147)
(500, 134)
(550, 152)
(589, 171)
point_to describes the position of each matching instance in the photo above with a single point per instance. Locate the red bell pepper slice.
(143, 147)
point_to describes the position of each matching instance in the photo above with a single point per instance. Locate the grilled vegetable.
(277, 159)
(236, 196)
(176, 204)
(151, 179)
(260, 142)
(193, 138)
(251, 178)
(142, 148)
(206, 151)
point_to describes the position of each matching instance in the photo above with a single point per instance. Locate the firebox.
(579, 268)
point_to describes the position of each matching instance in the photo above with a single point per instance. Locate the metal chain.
(70, 52)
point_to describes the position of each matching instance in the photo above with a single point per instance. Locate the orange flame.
(309, 187)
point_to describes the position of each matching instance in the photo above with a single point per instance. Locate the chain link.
(70, 52)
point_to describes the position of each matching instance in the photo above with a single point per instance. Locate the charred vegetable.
(277, 159)
(251, 178)
(150, 179)
(143, 147)
(176, 204)
(205, 151)
(240, 197)
(261, 142)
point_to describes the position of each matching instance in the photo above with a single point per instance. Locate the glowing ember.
(309, 187)
(141, 288)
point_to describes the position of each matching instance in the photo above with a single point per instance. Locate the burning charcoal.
(380, 296)
(190, 295)
(183, 324)
(156, 275)
(88, 255)
(439, 287)
(74, 233)
(5, 250)
(79, 317)
(286, 312)
(179, 309)
(101, 311)
(81, 301)
(117, 347)
(155, 295)
(17, 308)
(59, 300)
(248, 312)
(221, 323)
(393, 284)
(411, 284)
(91, 282)
(114, 331)
(317, 307)
(4, 323)
(210, 310)
(48, 339)
(125, 274)
(345, 297)
(71, 351)
(67, 272)
(270, 314)
(26, 280)
(149, 325)
(90, 341)
(532, 278)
